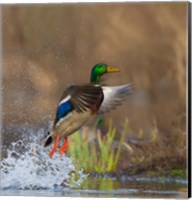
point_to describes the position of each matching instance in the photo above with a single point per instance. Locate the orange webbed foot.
(55, 146)
(64, 147)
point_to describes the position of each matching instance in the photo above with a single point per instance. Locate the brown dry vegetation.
(46, 47)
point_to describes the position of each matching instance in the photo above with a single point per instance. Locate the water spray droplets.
(28, 166)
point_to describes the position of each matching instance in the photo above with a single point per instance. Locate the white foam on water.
(28, 166)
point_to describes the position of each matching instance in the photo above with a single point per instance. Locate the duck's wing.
(86, 97)
(79, 98)
(114, 96)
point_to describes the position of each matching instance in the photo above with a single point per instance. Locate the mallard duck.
(79, 102)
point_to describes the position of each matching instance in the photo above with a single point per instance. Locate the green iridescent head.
(100, 69)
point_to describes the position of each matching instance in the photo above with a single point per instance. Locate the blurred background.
(47, 47)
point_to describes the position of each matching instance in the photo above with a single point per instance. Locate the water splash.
(28, 166)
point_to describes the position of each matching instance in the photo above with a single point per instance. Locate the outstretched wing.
(79, 98)
(114, 96)
(86, 97)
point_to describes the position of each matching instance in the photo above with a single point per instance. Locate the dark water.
(27, 170)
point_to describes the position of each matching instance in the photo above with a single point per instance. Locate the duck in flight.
(80, 102)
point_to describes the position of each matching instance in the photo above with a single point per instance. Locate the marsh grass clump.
(126, 152)
(98, 155)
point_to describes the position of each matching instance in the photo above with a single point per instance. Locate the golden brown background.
(47, 47)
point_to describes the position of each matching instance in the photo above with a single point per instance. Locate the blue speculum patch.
(64, 109)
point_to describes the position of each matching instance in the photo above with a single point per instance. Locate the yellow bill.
(112, 69)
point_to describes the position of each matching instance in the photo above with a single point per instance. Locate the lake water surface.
(110, 187)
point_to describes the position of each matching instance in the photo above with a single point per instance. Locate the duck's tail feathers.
(114, 96)
(48, 140)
